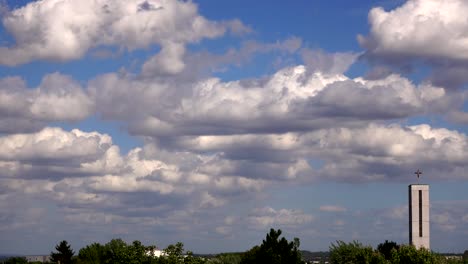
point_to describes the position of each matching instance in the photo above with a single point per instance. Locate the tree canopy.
(274, 250)
(64, 253)
(386, 248)
(355, 252)
(16, 260)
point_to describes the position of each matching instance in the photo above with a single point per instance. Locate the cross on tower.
(418, 173)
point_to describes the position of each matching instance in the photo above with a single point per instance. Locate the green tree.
(386, 248)
(174, 254)
(189, 258)
(93, 254)
(64, 253)
(465, 256)
(139, 253)
(354, 252)
(409, 254)
(116, 252)
(274, 251)
(226, 258)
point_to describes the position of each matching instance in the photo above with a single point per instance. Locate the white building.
(418, 203)
(156, 253)
(42, 258)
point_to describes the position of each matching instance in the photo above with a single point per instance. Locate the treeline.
(274, 249)
(387, 253)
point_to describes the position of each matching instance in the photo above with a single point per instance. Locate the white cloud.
(86, 168)
(465, 218)
(269, 217)
(291, 100)
(223, 230)
(444, 222)
(339, 223)
(400, 212)
(423, 28)
(60, 98)
(208, 200)
(332, 208)
(330, 63)
(57, 98)
(54, 144)
(380, 152)
(66, 30)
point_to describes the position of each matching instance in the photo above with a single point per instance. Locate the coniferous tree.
(386, 248)
(64, 253)
(274, 251)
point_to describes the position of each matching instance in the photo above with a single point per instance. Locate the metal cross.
(418, 173)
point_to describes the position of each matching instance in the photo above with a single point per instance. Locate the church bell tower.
(418, 204)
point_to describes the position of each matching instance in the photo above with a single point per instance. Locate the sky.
(210, 122)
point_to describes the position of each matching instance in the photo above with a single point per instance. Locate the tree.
(174, 254)
(93, 254)
(465, 256)
(226, 258)
(386, 248)
(354, 252)
(409, 254)
(274, 251)
(116, 252)
(16, 260)
(64, 253)
(139, 253)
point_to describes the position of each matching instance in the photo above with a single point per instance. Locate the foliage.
(92, 254)
(274, 251)
(118, 252)
(64, 253)
(465, 255)
(386, 248)
(354, 252)
(16, 260)
(226, 258)
(174, 254)
(409, 254)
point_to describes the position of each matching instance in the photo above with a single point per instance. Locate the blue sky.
(209, 122)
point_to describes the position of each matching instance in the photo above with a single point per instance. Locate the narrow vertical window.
(410, 207)
(420, 214)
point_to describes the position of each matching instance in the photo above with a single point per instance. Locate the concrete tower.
(418, 203)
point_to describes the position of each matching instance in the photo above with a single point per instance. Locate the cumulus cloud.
(87, 168)
(57, 98)
(66, 30)
(459, 117)
(448, 217)
(292, 99)
(268, 217)
(332, 208)
(424, 28)
(53, 143)
(155, 188)
(372, 153)
(331, 63)
(389, 152)
(203, 63)
(430, 32)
